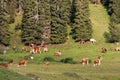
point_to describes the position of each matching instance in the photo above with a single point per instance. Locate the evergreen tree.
(58, 25)
(47, 20)
(66, 10)
(82, 28)
(32, 31)
(114, 28)
(4, 33)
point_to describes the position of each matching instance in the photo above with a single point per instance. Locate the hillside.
(100, 21)
(10, 75)
(56, 70)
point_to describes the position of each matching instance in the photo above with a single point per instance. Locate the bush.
(68, 60)
(48, 59)
(107, 36)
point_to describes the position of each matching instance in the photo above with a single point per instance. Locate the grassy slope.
(100, 20)
(10, 75)
(109, 70)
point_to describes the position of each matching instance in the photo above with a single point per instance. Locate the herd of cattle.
(43, 48)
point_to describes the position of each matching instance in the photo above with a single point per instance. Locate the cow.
(45, 49)
(23, 62)
(37, 49)
(14, 48)
(104, 50)
(47, 63)
(85, 61)
(24, 48)
(4, 64)
(98, 61)
(10, 61)
(42, 44)
(58, 53)
(34, 48)
(117, 49)
(93, 40)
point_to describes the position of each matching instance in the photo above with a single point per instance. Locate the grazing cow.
(93, 40)
(85, 61)
(10, 61)
(98, 61)
(35, 49)
(4, 65)
(45, 49)
(42, 44)
(47, 63)
(23, 62)
(58, 53)
(14, 48)
(117, 49)
(104, 50)
(24, 48)
(82, 42)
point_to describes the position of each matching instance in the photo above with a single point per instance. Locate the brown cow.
(47, 63)
(42, 44)
(14, 48)
(58, 53)
(35, 49)
(98, 61)
(85, 61)
(10, 61)
(24, 48)
(104, 50)
(4, 65)
(23, 62)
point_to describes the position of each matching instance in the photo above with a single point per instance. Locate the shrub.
(48, 59)
(68, 60)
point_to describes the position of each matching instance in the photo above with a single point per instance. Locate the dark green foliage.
(4, 33)
(82, 28)
(46, 18)
(105, 2)
(48, 59)
(68, 60)
(66, 10)
(32, 23)
(114, 8)
(11, 20)
(58, 25)
(107, 36)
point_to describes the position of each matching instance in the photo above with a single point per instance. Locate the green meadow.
(57, 70)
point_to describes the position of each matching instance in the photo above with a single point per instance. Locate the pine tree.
(66, 10)
(47, 20)
(4, 33)
(82, 28)
(114, 27)
(32, 31)
(58, 25)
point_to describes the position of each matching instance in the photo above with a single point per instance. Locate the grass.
(100, 20)
(108, 70)
(6, 75)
